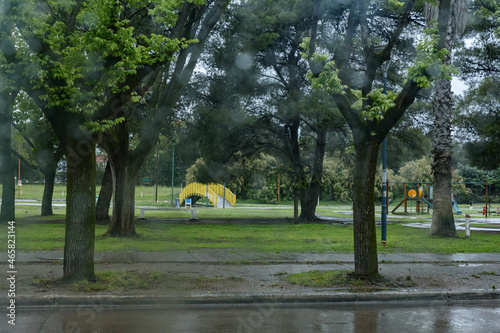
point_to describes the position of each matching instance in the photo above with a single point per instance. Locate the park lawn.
(243, 212)
(301, 238)
(144, 195)
(225, 214)
(41, 233)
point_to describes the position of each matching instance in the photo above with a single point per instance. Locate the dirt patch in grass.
(347, 280)
(135, 282)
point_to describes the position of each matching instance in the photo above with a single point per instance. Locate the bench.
(143, 209)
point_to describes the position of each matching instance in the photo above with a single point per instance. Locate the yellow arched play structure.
(214, 192)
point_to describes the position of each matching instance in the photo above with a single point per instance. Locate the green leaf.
(429, 64)
(102, 125)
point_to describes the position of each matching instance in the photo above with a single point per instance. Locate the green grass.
(144, 195)
(246, 211)
(319, 238)
(417, 240)
(117, 280)
(34, 233)
(491, 226)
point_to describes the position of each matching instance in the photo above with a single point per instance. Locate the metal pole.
(19, 171)
(173, 165)
(157, 171)
(224, 202)
(387, 197)
(384, 192)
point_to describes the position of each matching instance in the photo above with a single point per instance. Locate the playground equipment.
(422, 193)
(417, 194)
(422, 198)
(218, 195)
(455, 207)
(454, 204)
(488, 212)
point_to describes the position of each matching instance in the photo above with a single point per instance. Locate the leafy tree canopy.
(480, 117)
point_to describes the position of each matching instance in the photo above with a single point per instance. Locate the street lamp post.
(173, 168)
(19, 182)
(157, 171)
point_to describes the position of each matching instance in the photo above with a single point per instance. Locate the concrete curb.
(443, 297)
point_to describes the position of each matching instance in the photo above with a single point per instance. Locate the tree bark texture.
(124, 165)
(7, 169)
(7, 174)
(47, 160)
(48, 190)
(443, 221)
(310, 194)
(123, 219)
(365, 238)
(80, 211)
(105, 195)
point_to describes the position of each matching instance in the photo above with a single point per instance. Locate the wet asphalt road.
(303, 318)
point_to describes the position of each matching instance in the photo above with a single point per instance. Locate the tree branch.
(342, 59)
(24, 137)
(28, 164)
(404, 99)
(137, 12)
(71, 24)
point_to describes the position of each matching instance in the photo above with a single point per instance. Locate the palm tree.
(451, 16)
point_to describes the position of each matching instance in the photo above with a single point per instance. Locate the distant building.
(101, 159)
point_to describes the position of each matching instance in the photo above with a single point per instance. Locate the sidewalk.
(219, 276)
(244, 257)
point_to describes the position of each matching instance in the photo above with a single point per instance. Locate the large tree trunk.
(7, 170)
(48, 190)
(80, 211)
(124, 168)
(123, 219)
(7, 98)
(105, 195)
(308, 202)
(309, 195)
(443, 222)
(365, 238)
